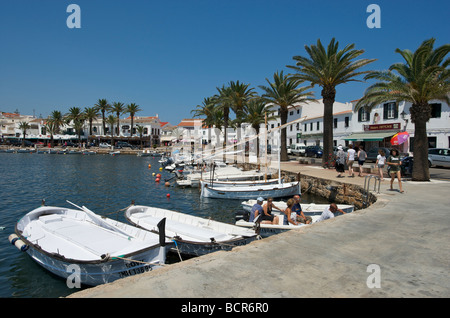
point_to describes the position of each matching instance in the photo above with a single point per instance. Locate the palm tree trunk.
(283, 118)
(420, 115)
(328, 94)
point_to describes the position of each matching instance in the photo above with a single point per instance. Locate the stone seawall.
(334, 191)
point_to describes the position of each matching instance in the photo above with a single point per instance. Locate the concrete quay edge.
(397, 247)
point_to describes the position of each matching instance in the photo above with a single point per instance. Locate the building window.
(306, 126)
(291, 113)
(335, 122)
(298, 111)
(363, 115)
(318, 125)
(435, 110)
(390, 111)
(311, 126)
(347, 121)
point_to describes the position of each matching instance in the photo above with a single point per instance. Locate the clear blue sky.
(167, 56)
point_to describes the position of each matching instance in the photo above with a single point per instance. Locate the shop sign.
(379, 127)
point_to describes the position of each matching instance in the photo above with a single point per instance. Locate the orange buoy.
(168, 195)
(158, 175)
(157, 180)
(149, 166)
(167, 184)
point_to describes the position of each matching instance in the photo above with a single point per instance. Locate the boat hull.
(192, 235)
(96, 273)
(86, 248)
(246, 193)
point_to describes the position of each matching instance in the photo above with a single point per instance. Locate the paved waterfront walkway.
(405, 235)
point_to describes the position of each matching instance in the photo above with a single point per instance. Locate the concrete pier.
(397, 247)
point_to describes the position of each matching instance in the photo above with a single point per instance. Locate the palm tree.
(207, 110)
(223, 103)
(132, 109)
(24, 126)
(140, 131)
(111, 120)
(118, 108)
(284, 92)
(329, 68)
(256, 112)
(91, 113)
(57, 120)
(423, 77)
(240, 94)
(103, 106)
(51, 128)
(77, 117)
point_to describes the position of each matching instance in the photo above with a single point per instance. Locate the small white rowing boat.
(102, 249)
(193, 235)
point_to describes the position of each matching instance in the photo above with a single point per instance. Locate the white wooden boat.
(103, 250)
(307, 208)
(193, 235)
(115, 153)
(145, 153)
(265, 229)
(89, 152)
(278, 190)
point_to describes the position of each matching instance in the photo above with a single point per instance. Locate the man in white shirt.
(328, 213)
(350, 158)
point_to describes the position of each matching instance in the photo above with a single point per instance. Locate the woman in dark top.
(267, 216)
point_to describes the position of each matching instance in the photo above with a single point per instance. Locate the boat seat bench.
(180, 228)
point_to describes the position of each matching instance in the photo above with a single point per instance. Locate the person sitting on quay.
(267, 217)
(328, 213)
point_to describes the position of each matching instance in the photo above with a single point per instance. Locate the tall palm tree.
(206, 109)
(103, 106)
(140, 131)
(256, 113)
(240, 94)
(51, 129)
(57, 121)
(132, 109)
(77, 117)
(423, 77)
(111, 120)
(223, 102)
(118, 109)
(329, 68)
(285, 92)
(91, 113)
(24, 126)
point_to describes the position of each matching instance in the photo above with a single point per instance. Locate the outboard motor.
(242, 215)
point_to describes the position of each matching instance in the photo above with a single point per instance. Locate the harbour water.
(103, 183)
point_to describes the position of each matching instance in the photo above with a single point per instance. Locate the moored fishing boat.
(193, 235)
(278, 190)
(307, 208)
(96, 250)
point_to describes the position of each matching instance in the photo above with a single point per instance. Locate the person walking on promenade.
(340, 162)
(381, 160)
(394, 163)
(361, 159)
(350, 159)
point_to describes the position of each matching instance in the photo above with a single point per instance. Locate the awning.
(368, 136)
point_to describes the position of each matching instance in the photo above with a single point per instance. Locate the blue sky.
(167, 56)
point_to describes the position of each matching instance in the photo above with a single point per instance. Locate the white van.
(298, 149)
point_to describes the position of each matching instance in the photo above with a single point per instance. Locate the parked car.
(297, 149)
(373, 153)
(314, 151)
(124, 144)
(439, 157)
(104, 145)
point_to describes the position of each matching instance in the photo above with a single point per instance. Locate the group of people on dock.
(393, 161)
(293, 214)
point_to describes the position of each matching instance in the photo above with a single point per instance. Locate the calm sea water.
(103, 183)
